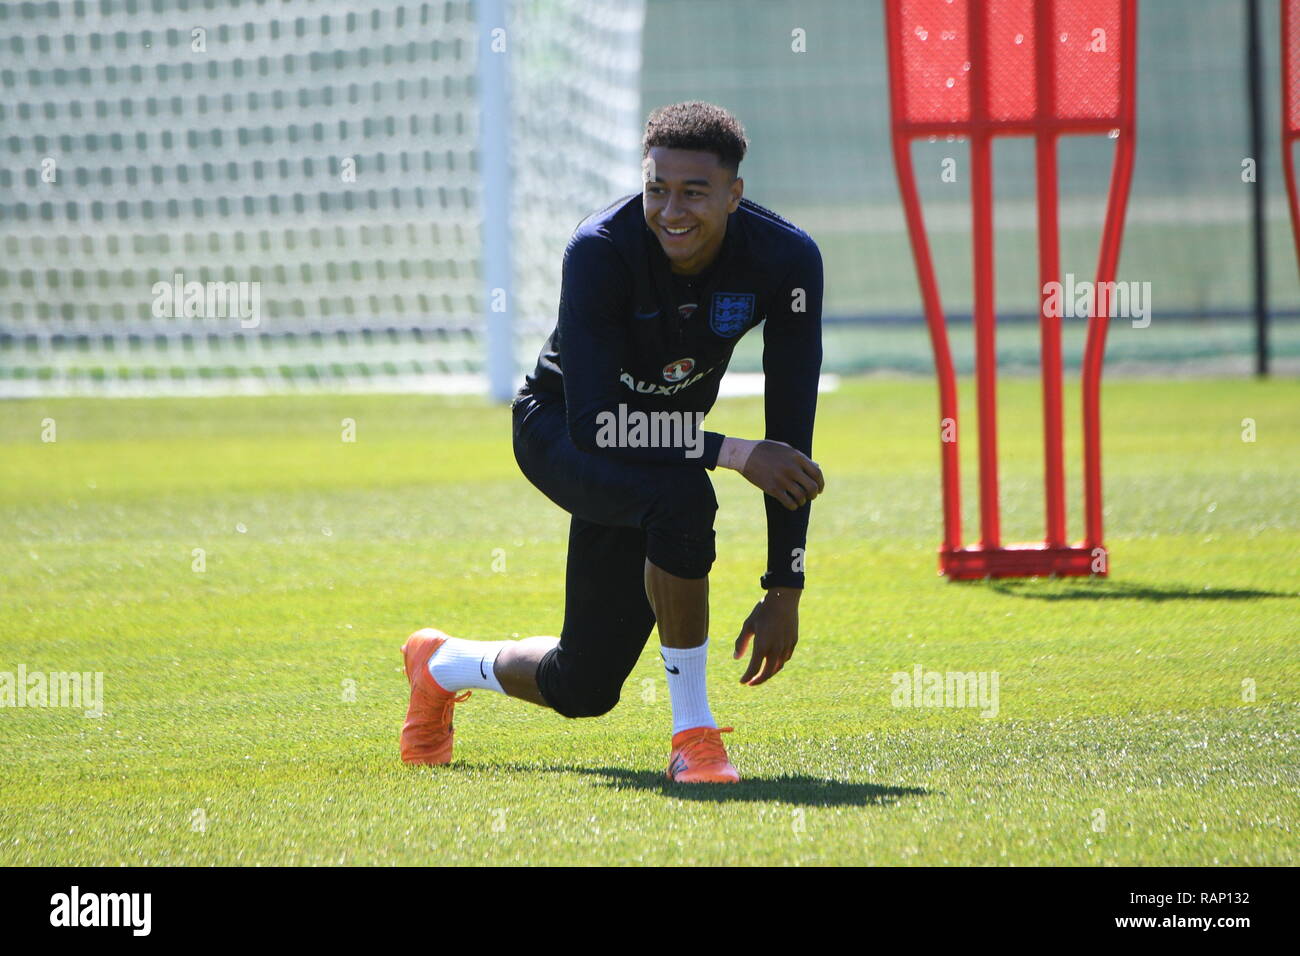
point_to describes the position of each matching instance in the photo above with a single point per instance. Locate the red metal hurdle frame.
(1291, 107)
(975, 68)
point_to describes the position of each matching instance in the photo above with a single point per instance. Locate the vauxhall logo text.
(654, 388)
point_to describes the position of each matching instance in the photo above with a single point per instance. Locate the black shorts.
(621, 514)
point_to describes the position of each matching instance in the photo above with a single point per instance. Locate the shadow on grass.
(795, 789)
(1101, 590)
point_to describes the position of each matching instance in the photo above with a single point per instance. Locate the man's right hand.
(785, 473)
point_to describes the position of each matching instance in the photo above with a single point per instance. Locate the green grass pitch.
(251, 710)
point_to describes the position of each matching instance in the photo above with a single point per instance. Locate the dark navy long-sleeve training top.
(634, 333)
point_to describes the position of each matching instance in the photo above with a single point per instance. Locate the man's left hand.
(774, 626)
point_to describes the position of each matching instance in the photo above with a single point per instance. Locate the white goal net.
(201, 197)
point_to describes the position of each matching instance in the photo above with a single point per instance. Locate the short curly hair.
(697, 125)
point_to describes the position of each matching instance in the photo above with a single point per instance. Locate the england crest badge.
(731, 313)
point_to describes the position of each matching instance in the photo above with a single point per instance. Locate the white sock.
(459, 664)
(684, 668)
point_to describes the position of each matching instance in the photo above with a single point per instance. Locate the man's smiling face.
(687, 197)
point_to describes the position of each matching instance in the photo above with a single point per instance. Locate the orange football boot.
(427, 733)
(699, 757)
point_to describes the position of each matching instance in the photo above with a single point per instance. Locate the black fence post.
(1254, 73)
